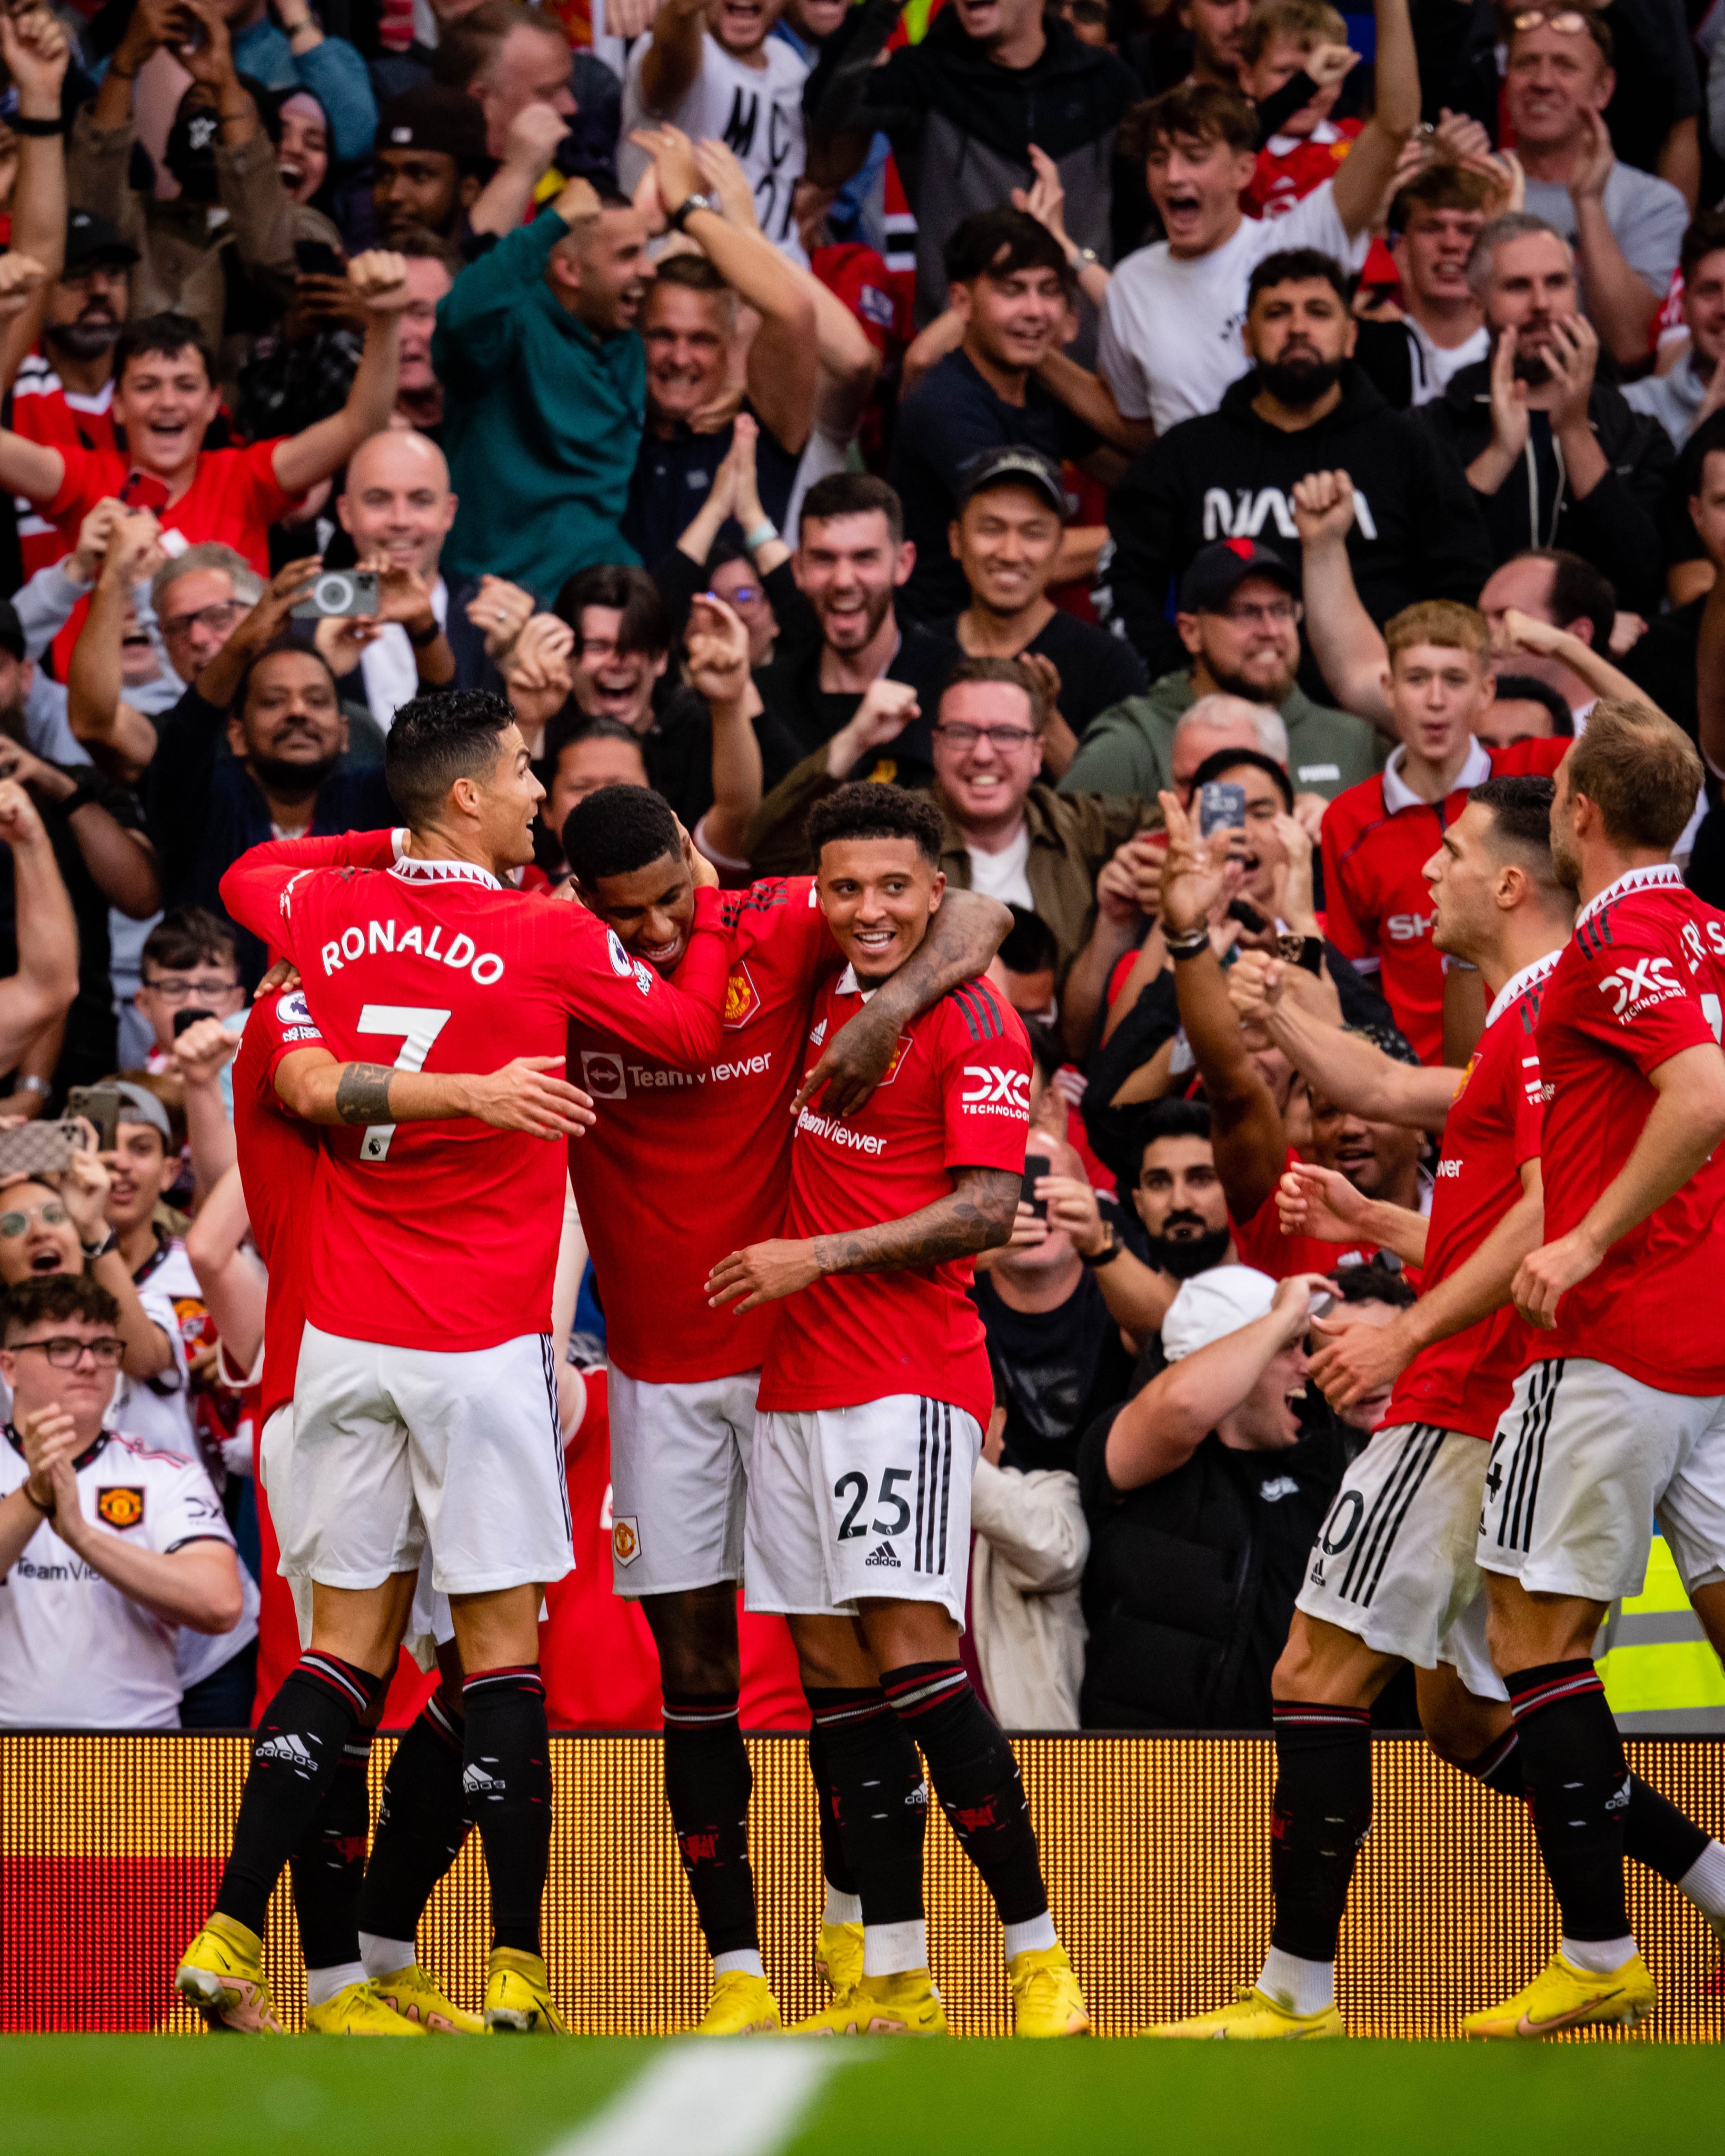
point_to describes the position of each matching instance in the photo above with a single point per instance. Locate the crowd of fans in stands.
(1055, 408)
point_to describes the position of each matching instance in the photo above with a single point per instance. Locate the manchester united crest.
(120, 1506)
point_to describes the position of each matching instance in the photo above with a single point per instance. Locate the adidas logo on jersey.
(886, 1556)
(819, 1034)
(475, 1782)
(288, 1750)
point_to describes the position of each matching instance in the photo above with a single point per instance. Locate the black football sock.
(880, 1806)
(295, 1756)
(1321, 1814)
(707, 1781)
(834, 1865)
(422, 1822)
(507, 1776)
(1578, 1783)
(327, 1868)
(976, 1778)
(1655, 1832)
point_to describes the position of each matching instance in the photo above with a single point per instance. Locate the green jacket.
(542, 420)
(1130, 749)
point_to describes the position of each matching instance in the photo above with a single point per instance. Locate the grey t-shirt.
(1646, 215)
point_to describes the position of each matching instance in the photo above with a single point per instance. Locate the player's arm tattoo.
(362, 1093)
(977, 1216)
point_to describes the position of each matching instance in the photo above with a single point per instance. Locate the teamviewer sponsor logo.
(992, 1092)
(602, 1074)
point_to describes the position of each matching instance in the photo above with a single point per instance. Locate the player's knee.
(1320, 1662)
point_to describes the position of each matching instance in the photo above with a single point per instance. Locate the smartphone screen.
(1221, 807)
(1036, 1164)
(142, 489)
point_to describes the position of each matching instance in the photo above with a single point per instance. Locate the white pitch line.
(710, 2099)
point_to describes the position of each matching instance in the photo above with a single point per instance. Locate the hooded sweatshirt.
(1616, 527)
(961, 126)
(1417, 531)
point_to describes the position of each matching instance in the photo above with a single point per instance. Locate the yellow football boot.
(1045, 1998)
(741, 2005)
(222, 1973)
(903, 2004)
(357, 2009)
(414, 1994)
(518, 1996)
(1564, 1997)
(1253, 2015)
(839, 1957)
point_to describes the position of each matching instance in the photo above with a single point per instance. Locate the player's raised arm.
(1346, 1068)
(252, 890)
(604, 987)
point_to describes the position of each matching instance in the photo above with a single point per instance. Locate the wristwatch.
(92, 1251)
(686, 209)
(426, 637)
(1109, 1251)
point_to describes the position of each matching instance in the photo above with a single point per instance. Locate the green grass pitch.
(143, 2096)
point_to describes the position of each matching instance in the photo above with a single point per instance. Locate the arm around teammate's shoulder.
(598, 982)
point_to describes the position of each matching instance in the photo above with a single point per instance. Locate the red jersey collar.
(1519, 984)
(1398, 794)
(1661, 876)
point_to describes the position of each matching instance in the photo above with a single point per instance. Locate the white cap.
(1211, 1305)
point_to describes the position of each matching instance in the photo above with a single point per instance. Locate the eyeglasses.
(221, 614)
(1280, 611)
(66, 1353)
(52, 1214)
(745, 595)
(173, 989)
(1004, 738)
(1568, 20)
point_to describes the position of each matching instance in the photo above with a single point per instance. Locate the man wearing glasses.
(107, 1546)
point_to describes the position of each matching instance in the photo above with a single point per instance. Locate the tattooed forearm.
(362, 1093)
(978, 1216)
(962, 938)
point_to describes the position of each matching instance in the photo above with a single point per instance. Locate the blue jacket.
(334, 74)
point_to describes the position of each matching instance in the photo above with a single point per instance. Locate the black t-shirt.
(1096, 671)
(674, 475)
(799, 715)
(950, 417)
(1061, 1369)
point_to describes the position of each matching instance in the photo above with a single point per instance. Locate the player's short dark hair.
(1166, 1119)
(864, 810)
(572, 726)
(438, 738)
(190, 936)
(1009, 673)
(1640, 771)
(1578, 593)
(164, 334)
(51, 1298)
(617, 830)
(1529, 689)
(1521, 820)
(1375, 1281)
(997, 243)
(644, 626)
(1204, 111)
(1299, 265)
(852, 494)
(1031, 945)
(1220, 761)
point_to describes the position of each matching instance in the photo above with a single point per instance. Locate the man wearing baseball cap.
(1239, 619)
(429, 164)
(1006, 536)
(1304, 407)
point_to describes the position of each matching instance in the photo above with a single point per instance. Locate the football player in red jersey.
(678, 1171)
(1620, 1408)
(1393, 1576)
(425, 1409)
(873, 1396)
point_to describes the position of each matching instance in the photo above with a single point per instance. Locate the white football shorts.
(1584, 1458)
(857, 1504)
(1395, 1561)
(397, 1448)
(680, 1478)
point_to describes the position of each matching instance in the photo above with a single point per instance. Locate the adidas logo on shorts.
(885, 1555)
(288, 1751)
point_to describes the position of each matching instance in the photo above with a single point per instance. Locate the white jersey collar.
(1661, 876)
(411, 870)
(1519, 984)
(848, 985)
(1398, 794)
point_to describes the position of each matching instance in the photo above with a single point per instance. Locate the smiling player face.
(651, 909)
(879, 897)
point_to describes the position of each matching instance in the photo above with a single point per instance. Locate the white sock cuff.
(889, 1949)
(1598, 1956)
(386, 1957)
(841, 1908)
(1704, 1882)
(1298, 1986)
(1034, 1937)
(321, 1984)
(746, 1959)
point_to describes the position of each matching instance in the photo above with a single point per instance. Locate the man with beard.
(286, 773)
(1553, 456)
(64, 394)
(1239, 619)
(1304, 407)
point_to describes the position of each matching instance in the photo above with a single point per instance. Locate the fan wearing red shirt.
(872, 1399)
(678, 1171)
(425, 1409)
(1621, 1410)
(165, 400)
(1378, 836)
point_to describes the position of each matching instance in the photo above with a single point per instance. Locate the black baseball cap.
(12, 632)
(1017, 466)
(434, 117)
(1215, 573)
(91, 239)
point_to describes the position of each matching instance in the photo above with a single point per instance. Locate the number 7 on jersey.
(419, 1029)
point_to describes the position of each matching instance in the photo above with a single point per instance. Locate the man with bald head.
(1239, 621)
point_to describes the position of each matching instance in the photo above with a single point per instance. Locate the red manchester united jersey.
(445, 1236)
(683, 1167)
(1642, 979)
(1378, 837)
(1491, 1131)
(957, 1095)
